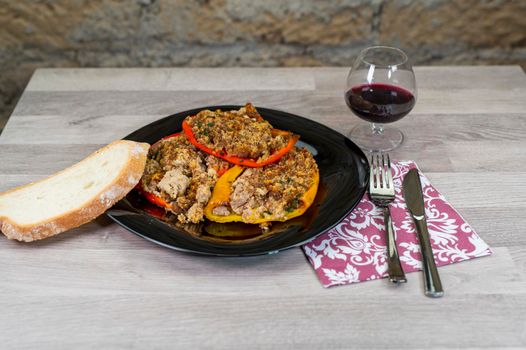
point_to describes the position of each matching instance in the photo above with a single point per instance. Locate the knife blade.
(412, 189)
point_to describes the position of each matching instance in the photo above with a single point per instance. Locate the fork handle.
(394, 268)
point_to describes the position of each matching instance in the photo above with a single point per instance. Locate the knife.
(415, 203)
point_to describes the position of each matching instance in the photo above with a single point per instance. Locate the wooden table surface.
(101, 286)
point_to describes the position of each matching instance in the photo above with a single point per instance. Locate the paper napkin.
(355, 249)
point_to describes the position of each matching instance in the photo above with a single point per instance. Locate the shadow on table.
(102, 234)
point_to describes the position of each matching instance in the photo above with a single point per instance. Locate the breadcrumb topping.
(181, 175)
(273, 190)
(242, 133)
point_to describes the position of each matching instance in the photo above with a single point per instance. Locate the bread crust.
(126, 180)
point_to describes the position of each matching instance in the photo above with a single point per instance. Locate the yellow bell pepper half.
(221, 196)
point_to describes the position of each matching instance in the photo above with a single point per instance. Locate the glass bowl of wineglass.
(381, 89)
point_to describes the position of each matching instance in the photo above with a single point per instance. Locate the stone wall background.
(156, 33)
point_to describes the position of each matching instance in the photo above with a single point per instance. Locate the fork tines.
(381, 177)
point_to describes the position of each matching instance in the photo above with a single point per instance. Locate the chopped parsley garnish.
(293, 204)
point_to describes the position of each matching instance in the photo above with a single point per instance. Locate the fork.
(382, 192)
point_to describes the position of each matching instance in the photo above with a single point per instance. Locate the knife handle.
(394, 268)
(432, 283)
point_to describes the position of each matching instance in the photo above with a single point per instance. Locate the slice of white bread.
(73, 196)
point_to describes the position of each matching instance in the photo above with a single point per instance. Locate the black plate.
(344, 173)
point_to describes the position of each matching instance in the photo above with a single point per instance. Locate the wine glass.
(381, 89)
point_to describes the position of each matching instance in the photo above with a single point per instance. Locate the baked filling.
(182, 176)
(242, 133)
(274, 190)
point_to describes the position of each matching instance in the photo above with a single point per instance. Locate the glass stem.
(378, 129)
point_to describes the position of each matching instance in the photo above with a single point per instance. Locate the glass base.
(376, 138)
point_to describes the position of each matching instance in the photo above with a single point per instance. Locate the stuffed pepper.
(240, 137)
(180, 178)
(276, 192)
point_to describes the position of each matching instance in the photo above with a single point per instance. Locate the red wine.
(379, 103)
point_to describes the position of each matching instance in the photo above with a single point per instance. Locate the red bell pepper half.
(247, 162)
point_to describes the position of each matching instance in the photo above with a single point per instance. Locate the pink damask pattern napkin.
(355, 249)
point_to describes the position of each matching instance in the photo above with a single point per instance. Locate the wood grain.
(167, 79)
(99, 128)
(101, 286)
